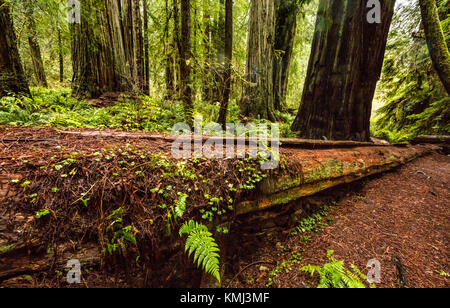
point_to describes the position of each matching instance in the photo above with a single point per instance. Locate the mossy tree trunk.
(12, 78)
(344, 67)
(437, 45)
(258, 97)
(35, 50)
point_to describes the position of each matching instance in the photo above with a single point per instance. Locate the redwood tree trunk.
(146, 87)
(61, 58)
(12, 78)
(185, 59)
(228, 57)
(258, 96)
(437, 45)
(345, 65)
(107, 48)
(286, 24)
(35, 50)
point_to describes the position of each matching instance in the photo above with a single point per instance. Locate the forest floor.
(400, 218)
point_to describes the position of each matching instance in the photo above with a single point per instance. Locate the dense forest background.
(410, 99)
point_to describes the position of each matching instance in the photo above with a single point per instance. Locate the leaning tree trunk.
(12, 78)
(185, 59)
(228, 57)
(35, 50)
(258, 96)
(344, 67)
(437, 45)
(286, 24)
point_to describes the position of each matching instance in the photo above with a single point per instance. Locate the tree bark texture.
(437, 45)
(107, 48)
(12, 78)
(344, 67)
(258, 96)
(35, 50)
(286, 24)
(228, 58)
(185, 59)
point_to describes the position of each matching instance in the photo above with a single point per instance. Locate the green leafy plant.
(121, 233)
(335, 275)
(201, 242)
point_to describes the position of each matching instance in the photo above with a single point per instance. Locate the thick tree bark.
(258, 96)
(286, 24)
(345, 65)
(12, 78)
(437, 45)
(185, 59)
(107, 48)
(35, 50)
(228, 57)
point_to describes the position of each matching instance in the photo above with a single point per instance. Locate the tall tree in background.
(345, 65)
(12, 78)
(107, 48)
(258, 96)
(228, 57)
(35, 50)
(437, 45)
(185, 59)
(286, 24)
(61, 57)
(146, 87)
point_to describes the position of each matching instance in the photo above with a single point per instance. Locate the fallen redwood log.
(319, 169)
(431, 140)
(323, 169)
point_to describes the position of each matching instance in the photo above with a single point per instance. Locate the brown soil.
(402, 215)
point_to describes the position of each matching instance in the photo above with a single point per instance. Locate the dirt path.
(404, 214)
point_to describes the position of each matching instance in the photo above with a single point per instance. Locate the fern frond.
(201, 242)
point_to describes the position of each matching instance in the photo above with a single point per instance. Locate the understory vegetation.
(57, 108)
(414, 99)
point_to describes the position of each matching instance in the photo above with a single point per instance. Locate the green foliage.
(201, 242)
(335, 275)
(42, 213)
(312, 223)
(121, 234)
(415, 102)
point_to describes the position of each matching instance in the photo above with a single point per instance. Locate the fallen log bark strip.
(283, 142)
(432, 140)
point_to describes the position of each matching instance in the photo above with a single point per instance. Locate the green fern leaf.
(201, 242)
